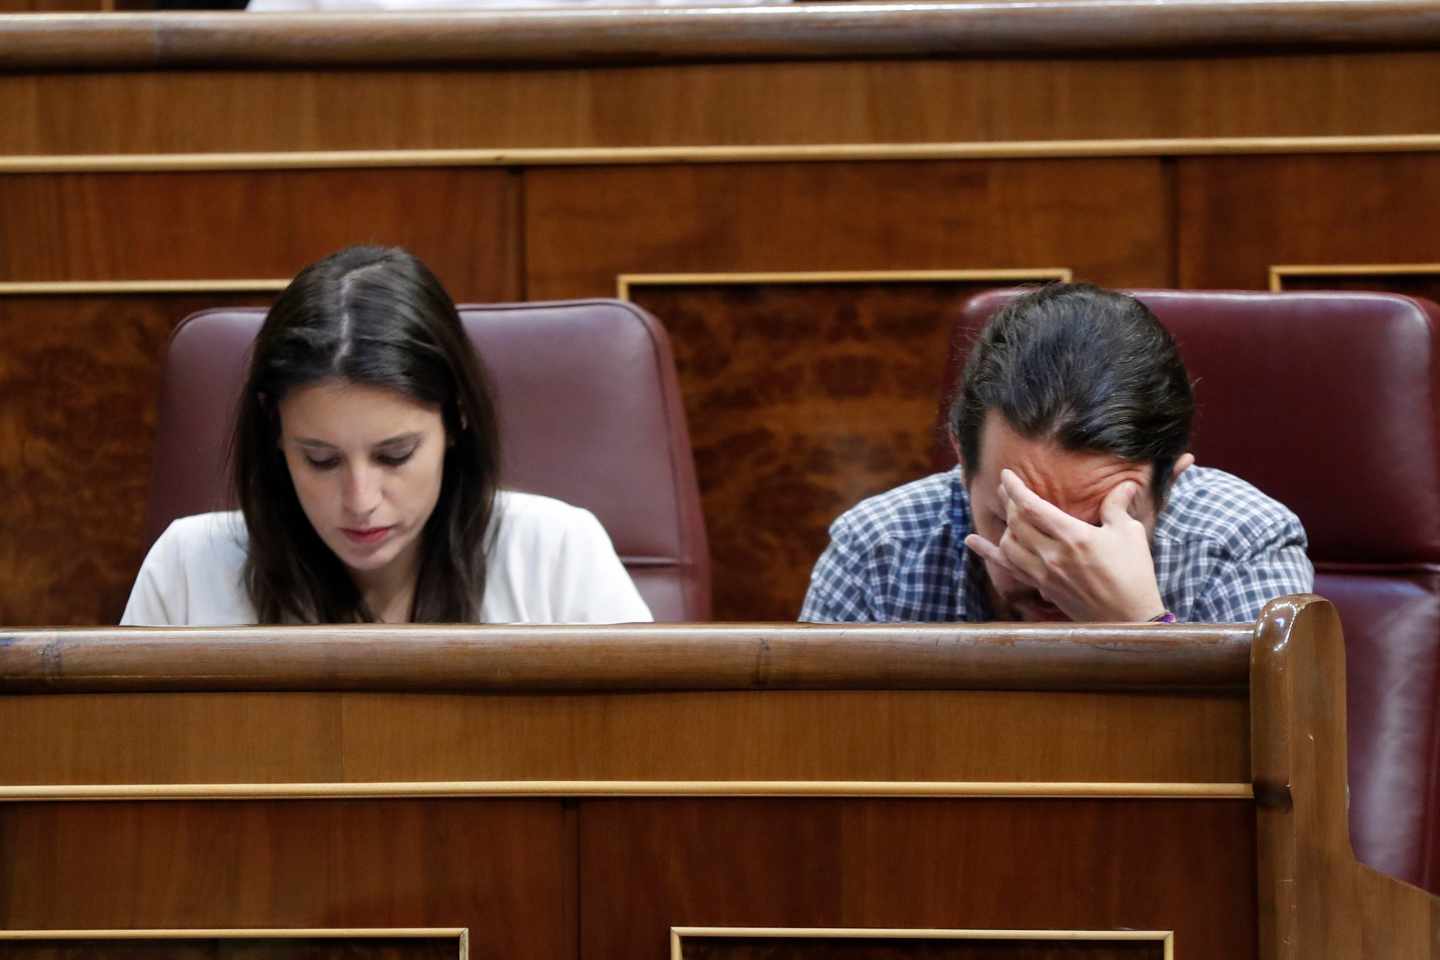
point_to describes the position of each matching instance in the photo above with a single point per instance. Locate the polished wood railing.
(712, 791)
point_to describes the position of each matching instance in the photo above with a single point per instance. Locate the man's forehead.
(1076, 481)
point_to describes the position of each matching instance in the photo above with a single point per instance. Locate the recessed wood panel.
(899, 101)
(1239, 216)
(793, 735)
(80, 377)
(503, 868)
(256, 224)
(1108, 220)
(803, 398)
(1186, 866)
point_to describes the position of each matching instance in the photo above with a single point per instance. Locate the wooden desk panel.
(584, 228)
(257, 224)
(1239, 216)
(806, 736)
(504, 869)
(1180, 865)
(539, 868)
(904, 100)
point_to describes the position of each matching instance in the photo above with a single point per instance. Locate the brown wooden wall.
(800, 399)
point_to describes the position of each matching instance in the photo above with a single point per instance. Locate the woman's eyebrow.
(399, 440)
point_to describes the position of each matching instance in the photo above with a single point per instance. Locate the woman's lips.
(366, 536)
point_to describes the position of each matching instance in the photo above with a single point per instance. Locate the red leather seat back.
(1328, 402)
(590, 413)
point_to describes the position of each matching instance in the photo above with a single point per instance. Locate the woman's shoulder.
(192, 575)
(533, 518)
(205, 533)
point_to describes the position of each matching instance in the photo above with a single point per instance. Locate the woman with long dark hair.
(365, 461)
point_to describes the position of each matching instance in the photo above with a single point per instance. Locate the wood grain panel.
(503, 868)
(253, 224)
(1239, 216)
(139, 738)
(898, 947)
(1106, 219)
(802, 399)
(900, 101)
(835, 735)
(1045, 864)
(80, 377)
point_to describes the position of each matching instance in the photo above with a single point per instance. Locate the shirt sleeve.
(590, 584)
(1275, 566)
(148, 605)
(840, 591)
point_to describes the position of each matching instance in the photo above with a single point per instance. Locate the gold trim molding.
(1279, 272)
(767, 153)
(633, 788)
(461, 935)
(627, 281)
(81, 288)
(1166, 938)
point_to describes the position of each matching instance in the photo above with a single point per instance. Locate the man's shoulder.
(909, 512)
(1211, 505)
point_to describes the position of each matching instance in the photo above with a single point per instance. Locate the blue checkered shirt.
(1222, 550)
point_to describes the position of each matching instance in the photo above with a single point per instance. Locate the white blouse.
(545, 562)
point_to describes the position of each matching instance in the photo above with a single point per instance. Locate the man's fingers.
(1116, 507)
(1022, 561)
(986, 550)
(994, 554)
(1038, 512)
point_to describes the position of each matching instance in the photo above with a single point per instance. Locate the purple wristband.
(1166, 617)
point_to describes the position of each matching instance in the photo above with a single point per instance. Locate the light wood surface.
(798, 735)
(399, 933)
(802, 31)
(643, 657)
(1311, 889)
(78, 288)
(810, 153)
(632, 788)
(1359, 94)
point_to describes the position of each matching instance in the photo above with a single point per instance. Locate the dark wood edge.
(650, 657)
(62, 42)
(1316, 901)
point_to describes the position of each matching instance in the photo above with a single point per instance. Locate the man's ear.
(1184, 462)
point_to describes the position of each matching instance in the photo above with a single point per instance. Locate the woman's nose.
(360, 493)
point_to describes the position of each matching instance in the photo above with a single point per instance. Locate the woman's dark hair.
(377, 317)
(1089, 368)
